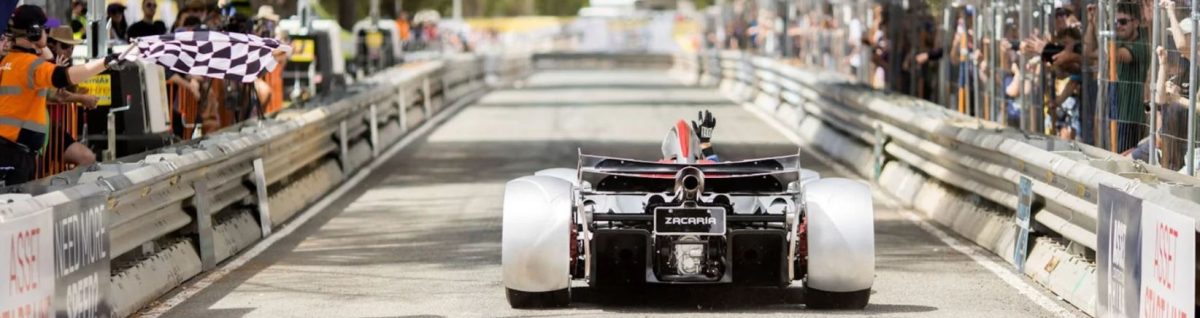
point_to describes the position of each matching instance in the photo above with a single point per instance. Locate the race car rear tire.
(551, 299)
(819, 299)
(840, 234)
(535, 238)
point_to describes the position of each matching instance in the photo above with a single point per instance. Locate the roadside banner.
(27, 269)
(81, 268)
(1118, 253)
(1024, 209)
(1169, 258)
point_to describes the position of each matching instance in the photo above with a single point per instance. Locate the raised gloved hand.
(704, 128)
(114, 62)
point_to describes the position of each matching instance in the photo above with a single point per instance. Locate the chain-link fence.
(1171, 100)
(1114, 74)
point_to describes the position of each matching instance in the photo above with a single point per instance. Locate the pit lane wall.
(966, 174)
(109, 241)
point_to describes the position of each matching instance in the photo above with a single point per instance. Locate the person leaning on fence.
(1133, 65)
(62, 45)
(1172, 120)
(25, 82)
(1066, 65)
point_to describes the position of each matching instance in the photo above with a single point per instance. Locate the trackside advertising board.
(55, 262)
(1169, 263)
(81, 262)
(1024, 207)
(27, 267)
(1118, 253)
(1145, 259)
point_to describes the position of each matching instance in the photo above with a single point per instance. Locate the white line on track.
(193, 288)
(972, 251)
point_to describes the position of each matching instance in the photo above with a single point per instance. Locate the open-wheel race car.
(614, 222)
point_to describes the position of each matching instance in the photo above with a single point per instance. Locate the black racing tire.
(819, 299)
(527, 300)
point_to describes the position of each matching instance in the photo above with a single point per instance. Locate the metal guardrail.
(112, 240)
(904, 142)
(563, 60)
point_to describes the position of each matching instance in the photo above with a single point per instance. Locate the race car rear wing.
(765, 175)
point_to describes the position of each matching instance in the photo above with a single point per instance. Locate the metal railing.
(902, 141)
(158, 219)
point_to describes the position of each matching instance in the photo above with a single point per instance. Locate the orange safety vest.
(24, 85)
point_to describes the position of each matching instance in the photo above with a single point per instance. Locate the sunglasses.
(1062, 13)
(1124, 21)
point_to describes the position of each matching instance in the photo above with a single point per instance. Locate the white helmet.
(681, 144)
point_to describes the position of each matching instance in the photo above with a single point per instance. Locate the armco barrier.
(959, 171)
(112, 240)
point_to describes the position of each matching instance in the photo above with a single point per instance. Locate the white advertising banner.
(27, 269)
(1168, 263)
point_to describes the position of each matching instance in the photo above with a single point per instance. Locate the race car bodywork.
(615, 222)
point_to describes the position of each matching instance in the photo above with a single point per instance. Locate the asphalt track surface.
(420, 237)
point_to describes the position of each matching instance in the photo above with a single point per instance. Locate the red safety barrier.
(64, 122)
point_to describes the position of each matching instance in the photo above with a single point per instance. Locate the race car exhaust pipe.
(689, 183)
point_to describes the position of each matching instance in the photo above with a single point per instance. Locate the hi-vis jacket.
(25, 82)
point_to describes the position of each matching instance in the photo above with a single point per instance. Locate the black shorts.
(17, 165)
(59, 141)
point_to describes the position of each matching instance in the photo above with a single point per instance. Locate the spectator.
(24, 119)
(963, 47)
(1180, 30)
(1065, 18)
(193, 8)
(1068, 80)
(876, 40)
(116, 16)
(79, 18)
(403, 26)
(147, 26)
(1173, 104)
(1133, 60)
(62, 45)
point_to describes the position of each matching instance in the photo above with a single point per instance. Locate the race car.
(615, 222)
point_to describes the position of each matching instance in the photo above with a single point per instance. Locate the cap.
(1186, 25)
(27, 16)
(63, 34)
(267, 12)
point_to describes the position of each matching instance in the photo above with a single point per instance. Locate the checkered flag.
(229, 56)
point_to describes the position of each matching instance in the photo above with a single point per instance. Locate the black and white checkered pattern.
(229, 56)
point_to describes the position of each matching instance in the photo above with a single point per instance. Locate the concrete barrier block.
(767, 103)
(1004, 244)
(808, 129)
(927, 198)
(907, 188)
(1042, 260)
(992, 232)
(786, 114)
(1086, 293)
(890, 177)
(360, 154)
(389, 134)
(966, 220)
(235, 233)
(1068, 276)
(304, 191)
(141, 283)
